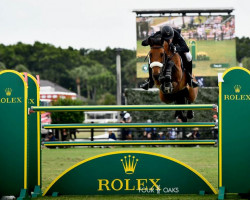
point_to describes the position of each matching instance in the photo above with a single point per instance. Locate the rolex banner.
(234, 136)
(129, 172)
(13, 134)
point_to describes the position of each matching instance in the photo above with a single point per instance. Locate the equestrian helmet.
(167, 32)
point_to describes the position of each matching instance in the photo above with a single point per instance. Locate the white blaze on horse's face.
(156, 64)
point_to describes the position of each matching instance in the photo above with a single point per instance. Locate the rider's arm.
(182, 46)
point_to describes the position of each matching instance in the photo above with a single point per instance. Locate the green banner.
(129, 172)
(34, 166)
(13, 134)
(234, 140)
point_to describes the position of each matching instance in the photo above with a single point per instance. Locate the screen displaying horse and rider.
(211, 41)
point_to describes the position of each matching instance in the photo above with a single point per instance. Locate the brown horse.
(174, 88)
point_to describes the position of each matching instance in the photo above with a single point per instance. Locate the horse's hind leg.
(192, 94)
(190, 113)
(180, 113)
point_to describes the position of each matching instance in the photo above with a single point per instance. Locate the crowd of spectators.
(197, 27)
(213, 28)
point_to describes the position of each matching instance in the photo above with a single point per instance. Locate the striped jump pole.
(130, 125)
(125, 107)
(134, 143)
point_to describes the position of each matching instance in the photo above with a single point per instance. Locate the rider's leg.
(166, 81)
(149, 83)
(189, 68)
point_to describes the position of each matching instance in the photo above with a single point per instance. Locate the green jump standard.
(134, 142)
(131, 125)
(127, 108)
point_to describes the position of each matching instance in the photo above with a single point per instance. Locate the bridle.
(166, 59)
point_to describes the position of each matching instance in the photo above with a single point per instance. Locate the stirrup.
(191, 81)
(148, 84)
(194, 84)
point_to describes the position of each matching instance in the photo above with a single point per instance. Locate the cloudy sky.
(93, 23)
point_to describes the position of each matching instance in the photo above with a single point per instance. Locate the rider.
(177, 44)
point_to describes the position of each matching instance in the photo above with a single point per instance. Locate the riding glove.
(172, 48)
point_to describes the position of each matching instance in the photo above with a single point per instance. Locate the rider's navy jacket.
(178, 41)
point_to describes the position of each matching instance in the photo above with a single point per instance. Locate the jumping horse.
(170, 77)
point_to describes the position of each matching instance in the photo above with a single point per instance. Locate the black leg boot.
(190, 79)
(166, 84)
(149, 83)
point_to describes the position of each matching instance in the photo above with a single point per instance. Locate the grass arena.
(130, 172)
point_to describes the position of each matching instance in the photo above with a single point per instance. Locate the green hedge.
(141, 97)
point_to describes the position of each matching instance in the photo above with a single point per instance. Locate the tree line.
(95, 70)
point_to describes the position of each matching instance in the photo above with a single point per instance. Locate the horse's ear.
(150, 41)
(145, 42)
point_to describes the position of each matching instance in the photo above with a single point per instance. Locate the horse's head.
(156, 56)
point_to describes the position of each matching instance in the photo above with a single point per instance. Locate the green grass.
(219, 52)
(203, 159)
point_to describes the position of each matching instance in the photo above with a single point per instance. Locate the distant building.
(50, 91)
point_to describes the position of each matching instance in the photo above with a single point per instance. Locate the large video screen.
(211, 40)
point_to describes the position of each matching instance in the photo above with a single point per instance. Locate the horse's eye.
(162, 54)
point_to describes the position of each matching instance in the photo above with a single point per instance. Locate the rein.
(166, 58)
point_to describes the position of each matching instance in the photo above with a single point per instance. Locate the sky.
(93, 24)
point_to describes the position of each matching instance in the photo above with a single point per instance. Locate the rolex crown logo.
(8, 91)
(129, 164)
(237, 88)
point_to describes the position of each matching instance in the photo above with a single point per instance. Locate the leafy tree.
(21, 68)
(107, 99)
(242, 48)
(81, 73)
(2, 66)
(95, 80)
(129, 79)
(67, 117)
(246, 62)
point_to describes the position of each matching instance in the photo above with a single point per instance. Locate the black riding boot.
(149, 83)
(165, 80)
(191, 82)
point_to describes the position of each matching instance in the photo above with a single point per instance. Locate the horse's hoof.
(190, 114)
(179, 114)
(166, 88)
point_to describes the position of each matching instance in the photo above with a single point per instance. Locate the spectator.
(181, 132)
(126, 132)
(172, 134)
(215, 129)
(72, 133)
(149, 133)
(111, 135)
(64, 134)
(161, 136)
(195, 134)
(50, 137)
